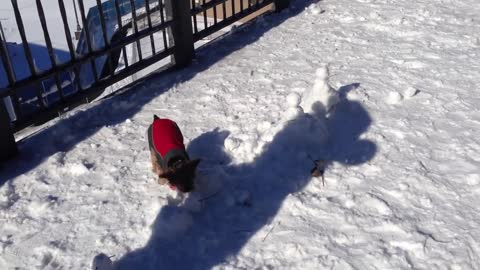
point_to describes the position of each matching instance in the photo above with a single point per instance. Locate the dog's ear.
(155, 117)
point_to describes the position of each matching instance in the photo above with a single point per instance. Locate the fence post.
(181, 32)
(281, 5)
(8, 147)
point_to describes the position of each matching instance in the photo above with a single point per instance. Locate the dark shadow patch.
(251, 194)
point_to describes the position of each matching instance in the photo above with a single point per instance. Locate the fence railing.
(113, 31)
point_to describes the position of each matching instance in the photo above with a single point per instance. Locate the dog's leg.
(162, 181)
(153, 158)
(156, 169)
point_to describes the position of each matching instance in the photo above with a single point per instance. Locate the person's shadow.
(237, 201)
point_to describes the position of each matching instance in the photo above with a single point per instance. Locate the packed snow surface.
(402, 185)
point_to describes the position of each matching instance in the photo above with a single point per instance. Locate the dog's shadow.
(204, 232)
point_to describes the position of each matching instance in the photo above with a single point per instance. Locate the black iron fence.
(118, 38)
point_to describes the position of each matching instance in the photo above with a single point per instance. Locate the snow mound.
(410, 92)
(245, 145)
(394, 98)
(314, 9)
(321, 98)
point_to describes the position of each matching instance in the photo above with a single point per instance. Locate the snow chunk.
(314, 9)
(394, 98)
(293, 100)
(232, 143)
(293, 113)
(77, 169)
(410, 92)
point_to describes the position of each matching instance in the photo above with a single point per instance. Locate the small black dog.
(170, 160)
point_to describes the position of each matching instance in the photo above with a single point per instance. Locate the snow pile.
(321, 98)
(246, 147)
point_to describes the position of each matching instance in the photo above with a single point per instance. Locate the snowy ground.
(401, 186)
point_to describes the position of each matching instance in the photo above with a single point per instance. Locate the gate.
(153, 30)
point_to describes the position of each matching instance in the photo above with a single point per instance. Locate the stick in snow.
(319, 169)
(271, 229)
(209, 196)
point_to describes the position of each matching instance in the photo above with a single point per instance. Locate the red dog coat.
(166, 139)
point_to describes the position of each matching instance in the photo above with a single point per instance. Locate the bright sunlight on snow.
(385, 92)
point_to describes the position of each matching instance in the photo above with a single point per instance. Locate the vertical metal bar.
(4, 54)
(195, 27)
(205, 26)
(149, 19)
(281, 5)
(48, 43)
(215, 14)
(68, 37)
(105, 37)
(21, 30)
(233, 7)
(76, 15)
(182, 33)
(102, 23)
(66, 29)
(8, 67)
(26, 49)
(119, 22)
(162, 19)
(87, 38)
(224, 10)
(8, 146)
(135, 29)
(241, 6)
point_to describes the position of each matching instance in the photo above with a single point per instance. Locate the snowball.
(293, 100)
(77, 169)
(315, 10)
(322, 73)
(292, 113)
(410, 92)
(394, 98)
(231, 143)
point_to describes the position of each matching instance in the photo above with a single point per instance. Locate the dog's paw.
(162, 181)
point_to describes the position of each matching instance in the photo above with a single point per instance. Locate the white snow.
(402, 181)
(321, 98)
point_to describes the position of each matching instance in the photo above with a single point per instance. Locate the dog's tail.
(155, 117)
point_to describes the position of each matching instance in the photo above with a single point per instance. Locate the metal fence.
(152, 30)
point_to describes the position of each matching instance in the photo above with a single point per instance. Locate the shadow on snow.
(184, 237)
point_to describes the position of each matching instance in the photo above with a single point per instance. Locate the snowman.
(293, 107)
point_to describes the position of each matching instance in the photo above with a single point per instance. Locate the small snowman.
(321, 98)
(294, 110)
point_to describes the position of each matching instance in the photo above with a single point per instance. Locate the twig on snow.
(270, 231)
(210, 196)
